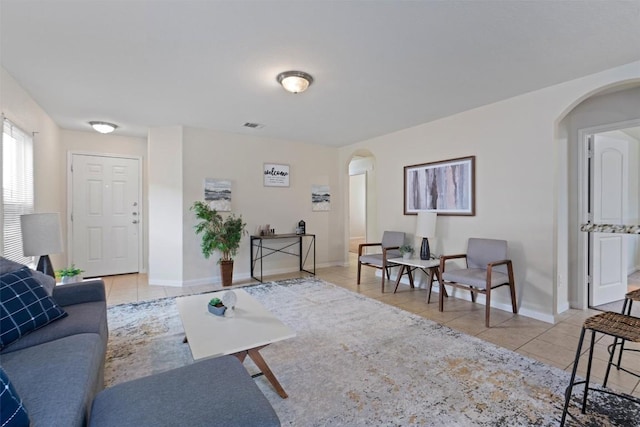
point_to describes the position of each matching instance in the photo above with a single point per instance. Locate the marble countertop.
(611, 228)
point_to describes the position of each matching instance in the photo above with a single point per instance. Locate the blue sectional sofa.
(55, 373)
(58, 368)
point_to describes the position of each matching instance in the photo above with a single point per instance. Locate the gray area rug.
(356, 361)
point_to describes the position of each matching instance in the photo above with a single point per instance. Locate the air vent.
(253, 125)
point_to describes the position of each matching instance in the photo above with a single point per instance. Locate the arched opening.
(612, 108)
(362, 199)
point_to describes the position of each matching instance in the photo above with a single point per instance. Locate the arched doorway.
(612, 108)
(362, 198)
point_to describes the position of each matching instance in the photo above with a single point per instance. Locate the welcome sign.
(276, 175)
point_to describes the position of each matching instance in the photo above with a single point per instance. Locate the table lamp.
(425, 228)
(41, 236)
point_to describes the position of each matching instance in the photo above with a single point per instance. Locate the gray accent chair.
(391, 242)
(487, 268)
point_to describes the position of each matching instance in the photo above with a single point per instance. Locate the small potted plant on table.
(406, 251)
(216, 307)
(70, 274)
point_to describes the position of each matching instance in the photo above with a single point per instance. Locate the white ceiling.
(379, 66)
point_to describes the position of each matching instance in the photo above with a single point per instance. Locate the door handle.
(135, 221)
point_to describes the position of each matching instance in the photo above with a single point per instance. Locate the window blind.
(17, 188)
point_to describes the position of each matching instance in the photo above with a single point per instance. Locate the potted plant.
(406, 251)
(219, 234)
(70, 274)
(216, 307)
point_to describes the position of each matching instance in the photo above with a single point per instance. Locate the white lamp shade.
(426, 224)
(41, 234)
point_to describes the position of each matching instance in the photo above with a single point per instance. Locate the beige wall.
(518, 189)
(18, 106)
(179, 161)
(240, 158)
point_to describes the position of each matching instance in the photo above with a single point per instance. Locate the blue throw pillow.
(12, 413)
(24, 306)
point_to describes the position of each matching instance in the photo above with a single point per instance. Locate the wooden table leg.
(430, 280)
(402, 268)
(255, 355)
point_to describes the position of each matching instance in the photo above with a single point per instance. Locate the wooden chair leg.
(359, 265)
(383, 274)
(512, 288)
(487, 308)
(473, 295)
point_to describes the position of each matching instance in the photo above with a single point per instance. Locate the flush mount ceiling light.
(103, 127)
(295, 81)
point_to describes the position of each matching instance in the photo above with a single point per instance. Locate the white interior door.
(105, 214)
(610, 183)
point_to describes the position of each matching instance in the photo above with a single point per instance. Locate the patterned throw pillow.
(24, 306)
(8, 266)
(12, 413)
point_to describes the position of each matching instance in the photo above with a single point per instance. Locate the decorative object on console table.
(41, 236)
(302, 227)
(70, 275)
(447, 187)
(221, 235)
(425, 228)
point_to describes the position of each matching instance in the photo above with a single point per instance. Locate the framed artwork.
(320, 198)
(275, 175)
(447, 187)
(218, 193)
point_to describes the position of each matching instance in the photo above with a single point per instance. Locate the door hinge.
(71, 167)
(71, 216)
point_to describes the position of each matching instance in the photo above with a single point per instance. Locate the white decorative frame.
(275, 175)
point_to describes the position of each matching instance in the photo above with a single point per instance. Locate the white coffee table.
(251, 328)
(430, 267)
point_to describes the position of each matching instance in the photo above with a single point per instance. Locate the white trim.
(141, 213)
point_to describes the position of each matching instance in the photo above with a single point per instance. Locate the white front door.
(105, 214)
(610, 184)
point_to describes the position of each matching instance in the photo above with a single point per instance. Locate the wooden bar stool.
(619, 326)
(629, 298)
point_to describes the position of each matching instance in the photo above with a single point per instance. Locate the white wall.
(357, 206)
(517, 183)
(240, 158)
(166, 216)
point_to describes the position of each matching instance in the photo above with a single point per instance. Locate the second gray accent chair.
(488, 267)
(391, 242)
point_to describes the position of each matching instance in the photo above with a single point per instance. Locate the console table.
(263, 246)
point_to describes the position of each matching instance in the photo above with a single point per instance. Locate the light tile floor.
(551, 344)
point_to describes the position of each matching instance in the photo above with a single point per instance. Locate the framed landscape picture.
(218, 193)
(320, 198)
(447, 187)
